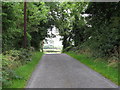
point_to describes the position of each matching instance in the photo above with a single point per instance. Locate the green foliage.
(25, 71)
(85, 27)
(7, 70)
(13, 20)
(10, 32)
(68, 48)
(104, 35)
(10, 61)
(93, 26)
(25, 56)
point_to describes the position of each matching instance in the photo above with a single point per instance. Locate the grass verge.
(25, 71)
(100, 66)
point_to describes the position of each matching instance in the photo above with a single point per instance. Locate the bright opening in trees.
(53, 43)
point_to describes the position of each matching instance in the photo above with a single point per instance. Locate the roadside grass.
(100, 66)
(25, 71)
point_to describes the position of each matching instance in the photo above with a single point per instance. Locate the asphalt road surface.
(62, 71)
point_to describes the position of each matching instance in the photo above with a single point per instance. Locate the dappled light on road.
(52, 51)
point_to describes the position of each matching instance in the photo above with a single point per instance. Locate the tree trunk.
(64, 42)
(25, 23)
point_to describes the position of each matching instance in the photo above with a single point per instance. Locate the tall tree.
(25, 24)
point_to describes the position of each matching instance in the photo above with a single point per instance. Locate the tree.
(25, 21)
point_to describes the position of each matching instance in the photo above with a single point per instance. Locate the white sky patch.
(56, 42)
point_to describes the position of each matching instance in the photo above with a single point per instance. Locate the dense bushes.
(10, 61)
(99, 35)
(104, 33)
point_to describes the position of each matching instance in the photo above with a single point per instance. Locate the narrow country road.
(62, 71)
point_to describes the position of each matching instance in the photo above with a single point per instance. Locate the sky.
(56, 42)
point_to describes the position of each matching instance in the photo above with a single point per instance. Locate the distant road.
(52, 51)
(62, 71)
